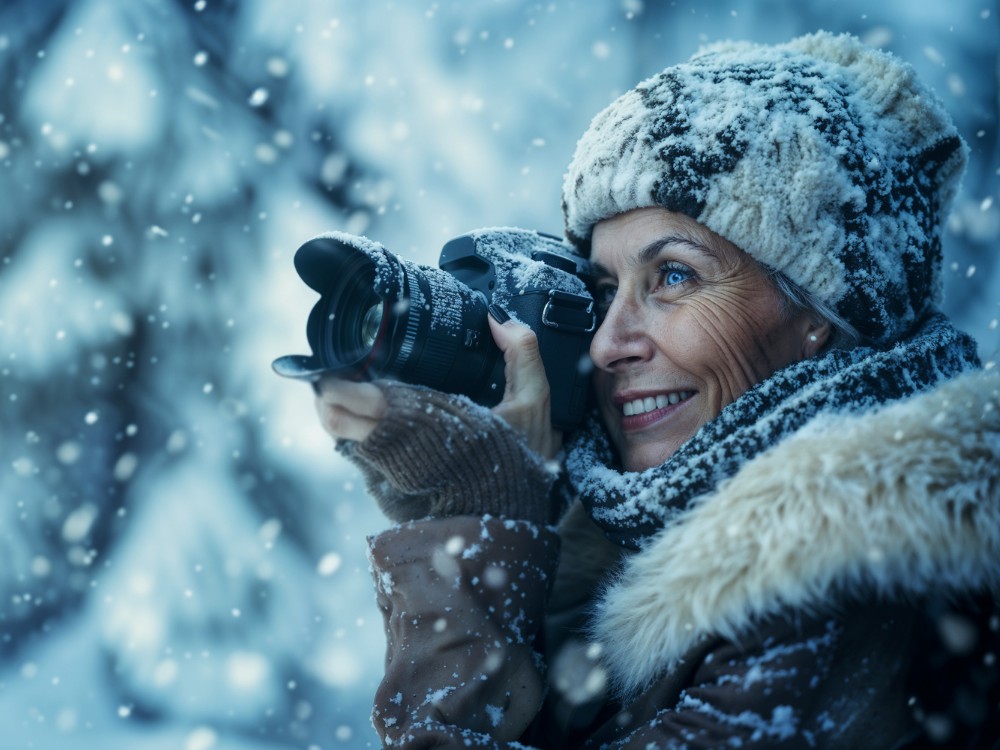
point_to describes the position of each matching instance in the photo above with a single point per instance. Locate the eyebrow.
(648, 253)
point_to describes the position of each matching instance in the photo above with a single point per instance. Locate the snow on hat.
(822, 158)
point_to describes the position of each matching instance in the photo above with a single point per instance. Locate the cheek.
(733, 345)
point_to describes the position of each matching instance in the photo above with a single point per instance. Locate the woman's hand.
(425, 453)
(349, 410)
(526, 404)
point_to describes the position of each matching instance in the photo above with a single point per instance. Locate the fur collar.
(905, 499)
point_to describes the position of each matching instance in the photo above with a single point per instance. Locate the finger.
(525, 405)
(349, 410)
(361, 398)
(523, 367)
(342, 424)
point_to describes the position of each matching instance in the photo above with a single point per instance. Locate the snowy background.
(181, 552)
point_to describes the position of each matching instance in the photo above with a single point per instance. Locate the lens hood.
(323, 263)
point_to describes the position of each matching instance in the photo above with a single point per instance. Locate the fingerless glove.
(435, 455)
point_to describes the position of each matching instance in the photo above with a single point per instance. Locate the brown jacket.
(834, 594)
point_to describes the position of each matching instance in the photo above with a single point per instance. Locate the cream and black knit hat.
(822, 158)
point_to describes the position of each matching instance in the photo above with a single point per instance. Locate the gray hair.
(794, 299)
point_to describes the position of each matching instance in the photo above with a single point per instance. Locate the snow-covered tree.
(181, 552)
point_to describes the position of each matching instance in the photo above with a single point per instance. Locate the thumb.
(524, 371)
(526, 403)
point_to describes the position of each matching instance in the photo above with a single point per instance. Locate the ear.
(817, 333)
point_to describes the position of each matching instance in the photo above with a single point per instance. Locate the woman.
(785, 519)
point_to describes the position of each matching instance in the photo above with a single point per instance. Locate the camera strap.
(569, 313)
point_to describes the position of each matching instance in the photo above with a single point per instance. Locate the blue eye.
(673, 275)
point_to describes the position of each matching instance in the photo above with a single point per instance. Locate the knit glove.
(435, 455)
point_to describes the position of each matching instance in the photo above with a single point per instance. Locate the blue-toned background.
(181, 552)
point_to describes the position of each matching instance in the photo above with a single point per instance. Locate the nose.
(621, 339)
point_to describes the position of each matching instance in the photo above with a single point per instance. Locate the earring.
(812, 337)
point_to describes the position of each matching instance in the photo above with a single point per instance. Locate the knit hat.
(822, 158)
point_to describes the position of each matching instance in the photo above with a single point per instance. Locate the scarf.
(631, 507)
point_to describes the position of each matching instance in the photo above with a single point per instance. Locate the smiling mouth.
(652, 403)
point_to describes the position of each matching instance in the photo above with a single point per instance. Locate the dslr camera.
(380, 316)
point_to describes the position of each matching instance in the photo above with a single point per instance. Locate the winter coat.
(838, 592)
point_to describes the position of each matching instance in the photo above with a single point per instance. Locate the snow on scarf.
(632, 506)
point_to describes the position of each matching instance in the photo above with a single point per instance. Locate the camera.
(380, 316)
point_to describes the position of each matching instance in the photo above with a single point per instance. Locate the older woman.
(784, 518)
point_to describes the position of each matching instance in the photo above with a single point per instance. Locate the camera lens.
(370, 325)
(382, 316)
(344, 325)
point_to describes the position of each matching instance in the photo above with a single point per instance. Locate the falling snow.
(183, 552)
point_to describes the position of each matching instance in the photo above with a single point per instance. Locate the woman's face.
(690, 322)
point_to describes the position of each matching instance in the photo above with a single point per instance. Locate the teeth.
(643, 405)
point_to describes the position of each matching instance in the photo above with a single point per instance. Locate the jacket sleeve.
(462, 601)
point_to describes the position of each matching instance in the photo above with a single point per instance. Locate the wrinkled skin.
(687, 316)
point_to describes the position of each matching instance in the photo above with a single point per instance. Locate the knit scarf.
(631, 507)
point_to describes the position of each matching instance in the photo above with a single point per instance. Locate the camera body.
(380, 316)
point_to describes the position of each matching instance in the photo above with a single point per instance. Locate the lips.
(638, 406)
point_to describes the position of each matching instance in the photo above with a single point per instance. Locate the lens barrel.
(382, 316)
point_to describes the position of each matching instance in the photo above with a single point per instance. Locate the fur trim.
(903, 500)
